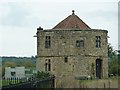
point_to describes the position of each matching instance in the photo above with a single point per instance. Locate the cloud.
(20, 20)
(18, 41)
(4, 10)
(59, 1)
(15, 15)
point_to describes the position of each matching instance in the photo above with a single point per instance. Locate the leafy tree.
(113, 66)
(119, 62)
(9, 64)
(113, 61)
(111, 52)
(28, 64)
(0, 71)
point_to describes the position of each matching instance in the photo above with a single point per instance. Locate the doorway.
(98, 68)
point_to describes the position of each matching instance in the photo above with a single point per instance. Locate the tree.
(113, 61)
(113, 66)
(111, 52)
(119, 62)
(9, 64)
(28, 64)
(0, 71)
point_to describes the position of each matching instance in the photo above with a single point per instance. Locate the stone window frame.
(98, 41)
(47, 64)
(47, 41)
(79, 43)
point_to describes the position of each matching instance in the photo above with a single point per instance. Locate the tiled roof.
(72, 22)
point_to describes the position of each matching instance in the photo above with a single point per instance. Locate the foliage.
(0, 71)
(10, 64)
(28, 62)
(114, 61)
(43, 75)
(118, 62)
(20, 61)
(111, 52)
(113, 67)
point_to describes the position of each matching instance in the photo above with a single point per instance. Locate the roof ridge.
(61, 22)
(82, 21)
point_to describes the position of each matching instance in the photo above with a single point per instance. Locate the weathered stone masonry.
(72, 51)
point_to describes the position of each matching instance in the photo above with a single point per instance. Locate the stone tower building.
(72, 49)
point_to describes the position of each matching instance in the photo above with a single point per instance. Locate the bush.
(43, 75)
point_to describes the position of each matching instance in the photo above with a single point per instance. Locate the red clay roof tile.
(72, 22)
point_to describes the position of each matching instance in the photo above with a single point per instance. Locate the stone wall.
(80, 60)
(64, 43)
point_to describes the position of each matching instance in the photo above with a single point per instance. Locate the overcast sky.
(20, 19)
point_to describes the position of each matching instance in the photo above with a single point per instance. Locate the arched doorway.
(98, 68)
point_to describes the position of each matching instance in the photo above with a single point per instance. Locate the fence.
(11, 81)
(29, 83)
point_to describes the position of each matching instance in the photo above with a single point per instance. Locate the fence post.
(13, 80)
(8, 81)
(17, 80)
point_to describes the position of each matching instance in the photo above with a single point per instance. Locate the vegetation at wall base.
(114, 61)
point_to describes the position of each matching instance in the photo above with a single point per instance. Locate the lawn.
(9, 82)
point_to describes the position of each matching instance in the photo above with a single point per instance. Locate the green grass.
(4, 83)
(8, 82)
